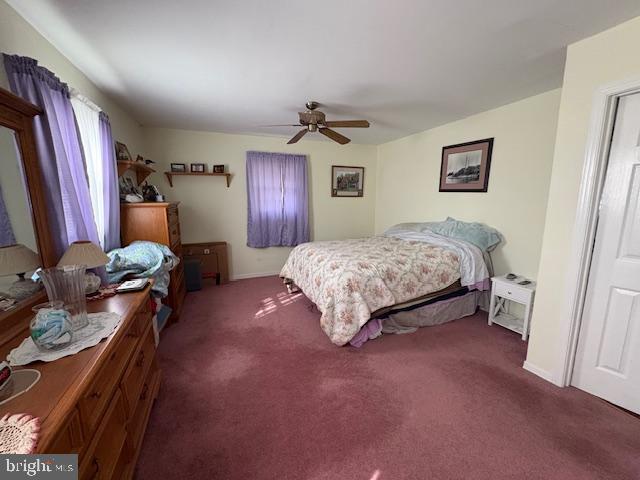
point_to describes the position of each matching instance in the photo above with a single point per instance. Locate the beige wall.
(211, 212)
(604, 58)
(19, 37)
(515, 203)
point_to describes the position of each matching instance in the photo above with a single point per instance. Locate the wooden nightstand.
(504, 291)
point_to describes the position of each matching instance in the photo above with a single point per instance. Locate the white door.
(608, 356)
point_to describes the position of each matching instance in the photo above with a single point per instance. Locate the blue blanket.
(143, 260)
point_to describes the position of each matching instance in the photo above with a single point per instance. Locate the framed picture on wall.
(347, 181)
(198, 168)
(465, 166)
(122, 152)
(178, 167)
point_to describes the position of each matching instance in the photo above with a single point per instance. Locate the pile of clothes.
(143, 259)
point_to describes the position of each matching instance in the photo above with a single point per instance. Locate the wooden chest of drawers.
(97, 402)
(157, 222)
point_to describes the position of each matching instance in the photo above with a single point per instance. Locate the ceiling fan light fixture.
(314, 121)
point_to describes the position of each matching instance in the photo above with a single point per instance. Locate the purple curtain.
(111, 193)
(59, 151)
(278, 199)
(6, 231)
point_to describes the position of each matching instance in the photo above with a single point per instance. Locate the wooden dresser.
(157, 222)
(97, 402)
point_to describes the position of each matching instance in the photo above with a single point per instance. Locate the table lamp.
(18, 260)
(90, 255)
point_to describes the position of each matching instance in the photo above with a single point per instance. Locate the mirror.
(19, 256)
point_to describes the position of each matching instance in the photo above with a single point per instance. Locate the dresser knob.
(145, 390)
(140, 361)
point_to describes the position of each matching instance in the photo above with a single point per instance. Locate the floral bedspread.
(350, 279)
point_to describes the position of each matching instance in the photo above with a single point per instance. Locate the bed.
(352, 281)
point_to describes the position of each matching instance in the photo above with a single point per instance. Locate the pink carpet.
(252, 389)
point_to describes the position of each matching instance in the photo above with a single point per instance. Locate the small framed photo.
(198, 168)
(122, 152)
(465, 166)
(218, 169)
(178, 167)
(347, 181)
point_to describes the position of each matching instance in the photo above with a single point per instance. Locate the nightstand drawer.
(512, 292)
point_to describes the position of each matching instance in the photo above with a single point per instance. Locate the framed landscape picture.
(122, 152)
(347, 181)
(465, 167)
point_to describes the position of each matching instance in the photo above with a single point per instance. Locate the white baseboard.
(542, 373)
(254, 275)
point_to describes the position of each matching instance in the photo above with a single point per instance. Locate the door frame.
(584, 233)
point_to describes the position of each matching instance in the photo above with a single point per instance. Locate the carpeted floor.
(252, 389)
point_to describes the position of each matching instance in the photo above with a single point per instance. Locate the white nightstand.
(504, 291)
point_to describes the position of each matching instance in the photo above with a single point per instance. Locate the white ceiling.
(405, 65)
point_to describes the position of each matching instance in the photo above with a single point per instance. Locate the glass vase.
(66, 284)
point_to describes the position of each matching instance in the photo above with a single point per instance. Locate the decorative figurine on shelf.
(51, 326)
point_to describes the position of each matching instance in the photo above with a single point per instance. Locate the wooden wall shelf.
(170, 176)
(142, 170)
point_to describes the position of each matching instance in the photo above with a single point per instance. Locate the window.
(98, 149)
(277, 196)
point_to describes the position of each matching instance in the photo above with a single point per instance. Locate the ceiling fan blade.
(335, 136)
(283, 125)
(348, 123)
(298, 136)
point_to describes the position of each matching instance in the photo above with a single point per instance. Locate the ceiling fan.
(314, 121)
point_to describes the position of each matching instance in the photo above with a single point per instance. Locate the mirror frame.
(17, 115)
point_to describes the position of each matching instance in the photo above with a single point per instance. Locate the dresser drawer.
(69, 439)
(133, 379)
(512, 292)
(103, 455)
(140, 324)
(138, 422)
(96, 398)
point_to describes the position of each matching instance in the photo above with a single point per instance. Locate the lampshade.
(84, 253)
(17, 259)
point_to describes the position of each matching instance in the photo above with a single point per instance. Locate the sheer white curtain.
(88, 119)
